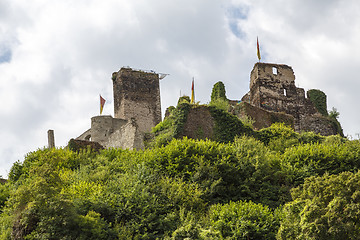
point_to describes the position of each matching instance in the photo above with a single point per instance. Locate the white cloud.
(57, 56)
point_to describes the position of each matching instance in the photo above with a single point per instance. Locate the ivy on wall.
(227, 126)
(318, 98)
(218, 92)
(172, 126)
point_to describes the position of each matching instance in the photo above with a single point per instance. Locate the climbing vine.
(218, 92)
(227, 126)
(318, 98)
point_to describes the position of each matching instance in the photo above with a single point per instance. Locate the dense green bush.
(243, 220)
(324, 208)
(196, 189)
(316, 159)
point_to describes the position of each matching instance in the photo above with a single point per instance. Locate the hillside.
(243, 184)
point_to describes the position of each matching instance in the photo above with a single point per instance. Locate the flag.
(258, 49)
(102, 103)
(192, 93)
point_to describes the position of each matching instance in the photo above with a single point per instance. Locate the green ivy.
(172, 126)
(227, 126)
(218, 92)
(318, 98)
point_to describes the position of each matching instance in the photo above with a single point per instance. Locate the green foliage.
(4, 195)
(220, 104)
(310, 137)
(218, 97)
(333, 116)
(196, 189)
(183, 99)
(317, 159)
(227, 126)
(218, 92)
(276, 131)
(243, 220)
(324, 208)
(172, 126)
(318, 98)
(247, 121)
(245, 170)
(278, 137)
(334, 113)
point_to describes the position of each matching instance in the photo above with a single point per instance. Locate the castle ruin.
(272, 88)
(137, 109)
(273, 97)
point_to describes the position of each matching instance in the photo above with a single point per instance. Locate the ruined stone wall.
(261, 117)
(317, 124)
(137, 95)
(199, 124)
(272, 87)
(103, 126)
(114, 132)
(127, 137)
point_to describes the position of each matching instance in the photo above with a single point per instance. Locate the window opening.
(275, 70)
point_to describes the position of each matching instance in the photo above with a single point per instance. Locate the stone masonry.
(272, 88)
(137, 95)
(136, 108)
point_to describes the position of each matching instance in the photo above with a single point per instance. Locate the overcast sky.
(57, 56)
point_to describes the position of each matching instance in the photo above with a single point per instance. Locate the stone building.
(137, 95)
(136, 109)
(272, 88)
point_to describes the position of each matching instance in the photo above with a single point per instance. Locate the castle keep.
(137, 95)
(136, 109)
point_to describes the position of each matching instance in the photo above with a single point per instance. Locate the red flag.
(102, 103)
(258, 49)
(192, 93)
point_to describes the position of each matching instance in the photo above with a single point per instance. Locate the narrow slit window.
(285, 94)
(275, 71)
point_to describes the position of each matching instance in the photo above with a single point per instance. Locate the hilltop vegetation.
(271, 184)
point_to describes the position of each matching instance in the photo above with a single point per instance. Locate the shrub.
(243, 220)
(323, 208)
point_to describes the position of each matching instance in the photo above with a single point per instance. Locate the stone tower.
(137, 96)
(272, 87)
